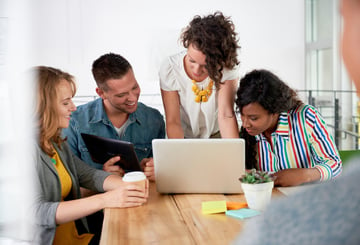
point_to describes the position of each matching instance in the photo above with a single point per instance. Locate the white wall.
(16, 166)
(71, 34)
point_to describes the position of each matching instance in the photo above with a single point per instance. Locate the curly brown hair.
(273, 94)
(215, 36)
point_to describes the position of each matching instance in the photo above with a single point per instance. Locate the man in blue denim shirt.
(117, 114)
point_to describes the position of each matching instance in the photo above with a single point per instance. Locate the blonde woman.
(60, 211)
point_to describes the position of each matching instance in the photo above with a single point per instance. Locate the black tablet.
(102, 149)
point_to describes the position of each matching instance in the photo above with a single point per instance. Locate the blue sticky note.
(242, 213)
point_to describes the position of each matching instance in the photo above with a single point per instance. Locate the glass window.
(319, 50)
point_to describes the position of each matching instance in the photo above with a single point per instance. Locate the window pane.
(319, 20)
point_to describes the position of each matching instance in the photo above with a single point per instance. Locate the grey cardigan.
(48, 191)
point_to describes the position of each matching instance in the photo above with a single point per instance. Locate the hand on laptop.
(147, 165)
(110, 166)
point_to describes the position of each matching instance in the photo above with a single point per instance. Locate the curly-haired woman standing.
(198, 85)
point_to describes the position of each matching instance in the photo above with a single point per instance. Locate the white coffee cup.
(137, 177)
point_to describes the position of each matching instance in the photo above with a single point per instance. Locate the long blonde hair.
(48, 80)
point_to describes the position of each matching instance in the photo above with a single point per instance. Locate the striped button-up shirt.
(301, 140)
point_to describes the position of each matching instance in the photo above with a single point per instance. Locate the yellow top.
(67, 233)
(65, 179)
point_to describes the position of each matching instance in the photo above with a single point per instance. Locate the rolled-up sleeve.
(325, 152)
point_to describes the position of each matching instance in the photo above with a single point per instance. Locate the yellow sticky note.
(213, 207)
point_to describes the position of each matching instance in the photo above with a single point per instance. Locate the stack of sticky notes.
(242, 213)
(234, 209)
(213, 207)
(236, 205)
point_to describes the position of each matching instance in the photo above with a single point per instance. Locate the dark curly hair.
(271, 93)
(215, 36)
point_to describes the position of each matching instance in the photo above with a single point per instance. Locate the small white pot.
(258, 196)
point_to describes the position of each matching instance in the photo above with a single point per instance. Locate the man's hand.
(110, 166)
(147, 165)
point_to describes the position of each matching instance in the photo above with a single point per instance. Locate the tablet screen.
(102, 149)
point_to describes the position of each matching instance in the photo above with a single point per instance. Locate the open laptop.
(198, 165)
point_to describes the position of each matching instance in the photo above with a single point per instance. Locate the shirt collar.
(134, 117)
(101, 116)
(282, 127)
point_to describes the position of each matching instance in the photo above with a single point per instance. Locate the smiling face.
(65, 105)
(195, 64)
(256, 120)
(121, 95)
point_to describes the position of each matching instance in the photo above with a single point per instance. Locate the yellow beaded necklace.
(203, 94)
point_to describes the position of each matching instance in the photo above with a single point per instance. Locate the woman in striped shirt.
(283, 135)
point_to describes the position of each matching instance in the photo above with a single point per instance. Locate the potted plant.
(257, 186)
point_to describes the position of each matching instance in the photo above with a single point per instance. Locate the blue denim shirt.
(146, 124)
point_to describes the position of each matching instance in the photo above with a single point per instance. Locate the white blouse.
(198, 120)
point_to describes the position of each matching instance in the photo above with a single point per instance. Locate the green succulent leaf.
(254, 176)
